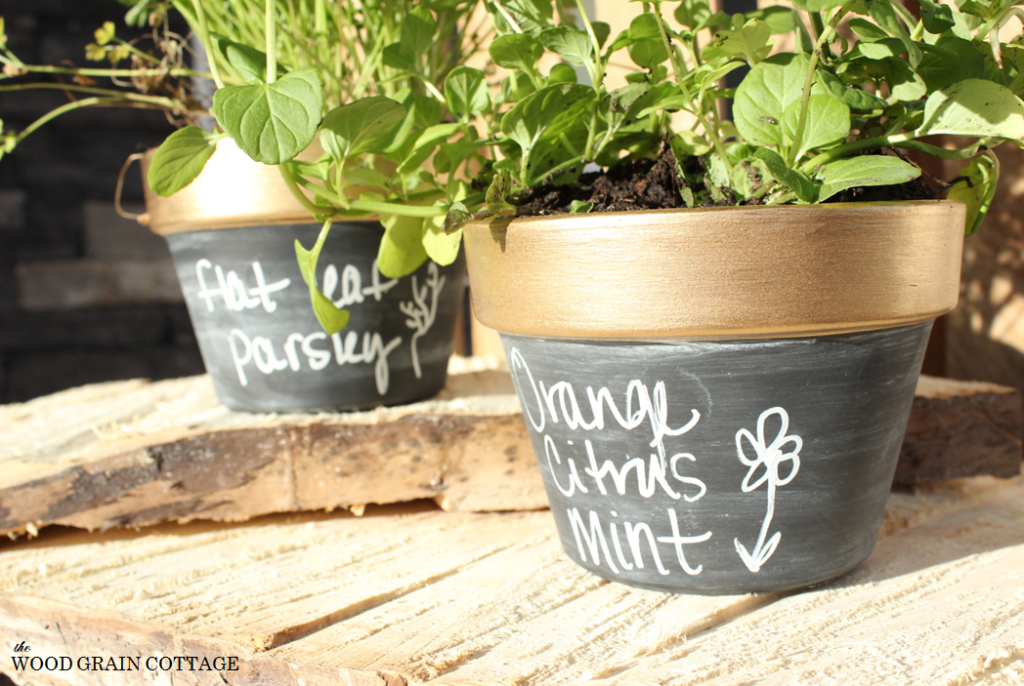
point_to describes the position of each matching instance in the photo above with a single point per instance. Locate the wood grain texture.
(428, 597)
(959, 429)
(135, 453)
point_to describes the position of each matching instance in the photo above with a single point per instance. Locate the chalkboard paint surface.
(262, 344)
(718, 467)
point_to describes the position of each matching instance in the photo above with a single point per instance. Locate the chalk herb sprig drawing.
(808, 124)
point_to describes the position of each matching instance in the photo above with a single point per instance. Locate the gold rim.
(736, 272)
(231, 191)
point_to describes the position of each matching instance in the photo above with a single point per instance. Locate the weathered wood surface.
(959, 429)
(136, 453)
(466, 599)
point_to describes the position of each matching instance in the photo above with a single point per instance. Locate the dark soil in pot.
(655, 184)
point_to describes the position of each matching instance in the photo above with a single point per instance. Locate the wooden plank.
(462, 598)
(959, 429)
(58, 630)
(136, 453)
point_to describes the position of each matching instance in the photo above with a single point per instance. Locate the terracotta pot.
(717, 398)
(232, 234)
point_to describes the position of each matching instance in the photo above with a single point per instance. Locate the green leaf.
(865, 170)
(976, 186)
(401, 249)
(767, 106)
(884, 14)
(580, 207)
(637, 100)
(105, 33)
(534, 15)
(360, 126)
(180, 159)
(426, 144)
(465, 90)
(951, 59)
(689, 144)
(691, 13)
(249, 63)
(330, 317)
(816, 5)
(749, 179)
(442, 247)
(769, 89)
(857, 99)
(138, 14)
(457, 217)
(828, 122)
(551, 111)
(571, 44)
(273, 122)
(880, 49)
(601, 31)
(647, 53)
(497, 194)
(974, 107)
(798, 182)
(905, 84)
(778, 18)
(644, 27)
(421, 112)
(516, 51)
(395, 56)
(417, 34)
(749, 42)
(937, 18)
(865, 29)
(562, 73)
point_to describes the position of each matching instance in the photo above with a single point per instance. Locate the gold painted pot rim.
(232, 191)
(729, 272)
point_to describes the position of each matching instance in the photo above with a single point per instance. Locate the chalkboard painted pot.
(717, 398)
(232, 234)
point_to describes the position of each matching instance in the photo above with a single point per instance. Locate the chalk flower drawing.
(420, 314)
(770, 456)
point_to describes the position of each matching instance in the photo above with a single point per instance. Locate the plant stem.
(112, 95)
(404, 210)
(289, 180)
(898, 140)
(825, 37)
(270, 22)
(679, 69)
(112, 73)
(52, 114)
(204, 38)
(508, 17)
(563, 166)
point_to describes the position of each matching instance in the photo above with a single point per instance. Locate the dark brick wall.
(50, 189)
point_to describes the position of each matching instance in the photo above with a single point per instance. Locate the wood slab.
(959, 429)
(414, 596)
(136, 453)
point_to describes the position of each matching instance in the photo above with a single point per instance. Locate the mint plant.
(808, 125)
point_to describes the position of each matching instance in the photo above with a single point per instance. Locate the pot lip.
(692, 212)
(232, 191)
(748, 272)
(369, 223)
